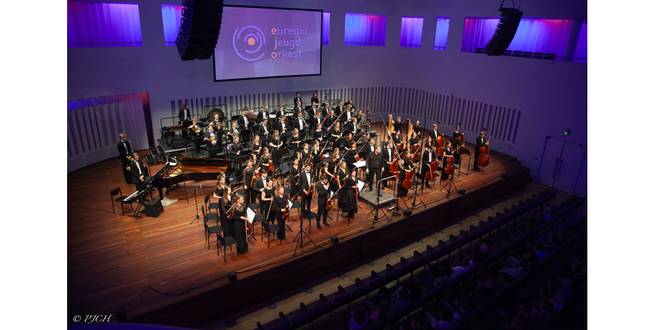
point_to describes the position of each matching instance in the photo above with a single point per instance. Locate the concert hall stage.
(159, 270)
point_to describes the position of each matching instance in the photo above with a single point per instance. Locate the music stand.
(450, 184)
(377, 208)
(416, 193)
(300, 236)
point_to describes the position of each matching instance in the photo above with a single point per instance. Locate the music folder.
(360, 164)
(250, 215)
(360, 185)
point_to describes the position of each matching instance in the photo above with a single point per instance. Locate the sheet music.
(290, 204)
(360, 185)
(332, 193)
(360, 164)
(271, 116)
(250, 215)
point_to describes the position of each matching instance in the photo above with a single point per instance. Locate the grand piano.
(176, 171)
(196, 169)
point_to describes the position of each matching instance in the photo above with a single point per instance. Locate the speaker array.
(200, 26)
(506, 30)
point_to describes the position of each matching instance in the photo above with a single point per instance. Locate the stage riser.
(263, 287)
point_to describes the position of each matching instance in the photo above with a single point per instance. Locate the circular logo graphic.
(248, 43)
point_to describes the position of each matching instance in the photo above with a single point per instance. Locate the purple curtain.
(441, 33)
(411, 31)
(533, 35)
(171, 22)
(97, 24)
(326, 28)
(364, 30)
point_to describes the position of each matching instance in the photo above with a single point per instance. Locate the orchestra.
(298, 154)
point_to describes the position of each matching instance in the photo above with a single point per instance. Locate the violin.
(271, 167)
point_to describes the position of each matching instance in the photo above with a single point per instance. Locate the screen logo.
(248, 43)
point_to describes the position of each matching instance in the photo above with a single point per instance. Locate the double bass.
(484, 157)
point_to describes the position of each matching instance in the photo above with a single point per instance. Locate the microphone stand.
(196, 217)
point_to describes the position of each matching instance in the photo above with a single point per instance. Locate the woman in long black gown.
(222, 193)
(239, 224)
(449, 153)
(347, 182)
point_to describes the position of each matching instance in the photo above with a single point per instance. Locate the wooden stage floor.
(121, 264)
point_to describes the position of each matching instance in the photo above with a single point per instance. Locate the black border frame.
(215, 78)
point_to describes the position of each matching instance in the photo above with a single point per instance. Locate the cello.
(484, 157)
(439, 145)
(449, 166)
(407, 180)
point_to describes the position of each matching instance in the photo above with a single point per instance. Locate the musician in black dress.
(347, 182)
(275, 145)
(259, 185)
(323, 194)
(306, 153)
(125, 151)
(335, 134)
(248, 177)
(239, 222)
(294, 174)
(255, 146)
(316, 152)
(404, 170)
(280, 206)
(351, 154)
(306, 190)
(266, 163)
(375, 168)
(267, 194)
(223, 193)
(481, 141)
(449, 153)
(296, 139)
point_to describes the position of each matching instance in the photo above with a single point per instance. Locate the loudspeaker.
(200, 26)
(506, 30)
(153, 208)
